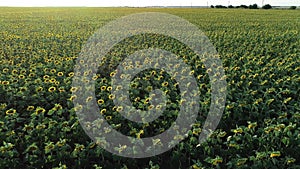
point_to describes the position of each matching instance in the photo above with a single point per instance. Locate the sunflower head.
(111, 96)
(39, 110)
(60, 74)
(10, 111)
(100, 101)
(52, 89)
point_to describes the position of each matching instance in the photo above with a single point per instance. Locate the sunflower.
(192, 72)
(119, 87)
(108, 117)
(39, 110)
(61, 89)
(37, 81)
(153, 73)
(103, 88)
(78, 108)
(111, 96)
(95, 77)
(10, 111)
(14, 71)
(14, 80)
(150, 107)
(30, 108)
(23, 71)
(53, 71)
(52, 89)
(60, 74)
(138, 135)
(71, 74)
(5, 82)
(21, 76)
(149, 88)
(165, 84)
(176, 84)
(275, 154)
(137, 99)
(23, 89)
(158, 107)
(122, 76)
(112, 74)
(199, 77)
(88, 99)
(238, 130)
(73, 89)
(86, 73)
(72, 97)
(46, 69)
(120, 108)
(109, 88)
(52, 80)
(31, 75)
(134, 85)
(5, 70)
(216, 161)
(39, 89)
(58, 107)
(147, 101)
(46, 77)
(100, 101)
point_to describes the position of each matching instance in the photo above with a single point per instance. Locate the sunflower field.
(260, 53)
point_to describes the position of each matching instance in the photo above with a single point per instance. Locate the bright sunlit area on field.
(143, 3)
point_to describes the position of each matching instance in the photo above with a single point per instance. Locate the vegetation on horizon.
(260, 124)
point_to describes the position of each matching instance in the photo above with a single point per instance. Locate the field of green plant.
(260, 51)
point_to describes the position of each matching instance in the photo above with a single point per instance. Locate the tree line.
(254, 6)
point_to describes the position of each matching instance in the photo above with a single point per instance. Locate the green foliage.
(254, 6)
(267, 6)
(220, 6)
(259, 128)
(243, 6)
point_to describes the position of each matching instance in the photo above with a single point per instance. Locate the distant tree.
(244, 6)
(230, 6)
(212, 6)
(293, 7)
(267, 6)
(220, 6)
(254, 6)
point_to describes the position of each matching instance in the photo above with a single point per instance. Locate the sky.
(141, 3)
